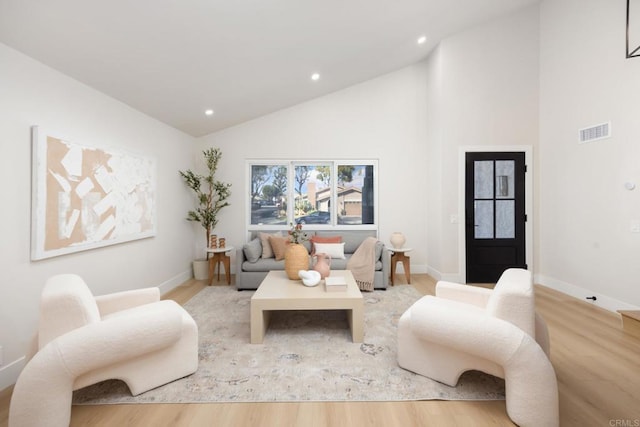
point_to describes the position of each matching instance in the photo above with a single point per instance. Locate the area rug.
(306, 356)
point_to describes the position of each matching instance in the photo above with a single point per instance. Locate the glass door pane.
(505, 179)
(483, 177)
(484, 219)
(505, 219)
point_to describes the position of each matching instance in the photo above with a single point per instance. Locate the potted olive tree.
(211, 196)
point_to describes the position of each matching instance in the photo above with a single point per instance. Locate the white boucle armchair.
(496, 331)
(82, 340)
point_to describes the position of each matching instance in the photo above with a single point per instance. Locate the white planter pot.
(201, 269)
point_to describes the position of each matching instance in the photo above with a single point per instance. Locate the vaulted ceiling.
(174, 59)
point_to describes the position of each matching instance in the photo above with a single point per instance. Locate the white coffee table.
(277, 292)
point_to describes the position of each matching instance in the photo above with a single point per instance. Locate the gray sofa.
(249, 274)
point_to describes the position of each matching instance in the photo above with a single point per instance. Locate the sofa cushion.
(268, 264)
(323, 239)
(334, 250)
(264, 264)
(267, 252)
(351, 238)
(279, 246)
(253, 250)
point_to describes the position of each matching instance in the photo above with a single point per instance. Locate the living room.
(531, 78)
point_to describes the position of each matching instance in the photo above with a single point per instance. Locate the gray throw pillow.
(253, 250)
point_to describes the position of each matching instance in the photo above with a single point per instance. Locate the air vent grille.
(595, 133)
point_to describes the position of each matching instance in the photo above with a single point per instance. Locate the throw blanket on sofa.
(363, 264)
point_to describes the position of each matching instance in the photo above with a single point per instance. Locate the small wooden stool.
(398, 255)
(220, 257)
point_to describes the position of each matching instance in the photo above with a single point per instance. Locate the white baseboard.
(602, 301)
(175, 281)
(415, 269)
(9, 374)
(449, 277)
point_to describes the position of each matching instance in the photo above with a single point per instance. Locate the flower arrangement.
(296, 235)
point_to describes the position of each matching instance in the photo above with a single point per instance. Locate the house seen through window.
(324, 194)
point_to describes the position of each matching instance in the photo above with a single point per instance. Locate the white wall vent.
(594, 133)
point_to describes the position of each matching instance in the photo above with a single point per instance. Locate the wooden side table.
(399, 255)
(219, 256)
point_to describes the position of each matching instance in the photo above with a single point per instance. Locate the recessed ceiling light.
(209, 112)
(315, 77)
(422, 39)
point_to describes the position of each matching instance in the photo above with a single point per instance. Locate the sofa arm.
(463, 293)
(240, 258)
(119, 301)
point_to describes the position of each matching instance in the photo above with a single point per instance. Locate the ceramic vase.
(322, 265)
(296, 258)
(397, 240)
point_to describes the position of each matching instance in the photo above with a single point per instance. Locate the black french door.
(494, 214)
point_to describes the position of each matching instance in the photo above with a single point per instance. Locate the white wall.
(585, 212)
(482, 91)
(379, 119)
(33, 94)
(479, 87)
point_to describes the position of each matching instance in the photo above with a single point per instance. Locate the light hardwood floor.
(597, 365)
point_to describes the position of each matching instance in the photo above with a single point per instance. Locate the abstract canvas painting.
(86, 197)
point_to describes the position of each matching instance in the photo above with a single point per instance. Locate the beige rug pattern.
(306, 356)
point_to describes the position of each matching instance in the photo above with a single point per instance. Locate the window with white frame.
(323, 194)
